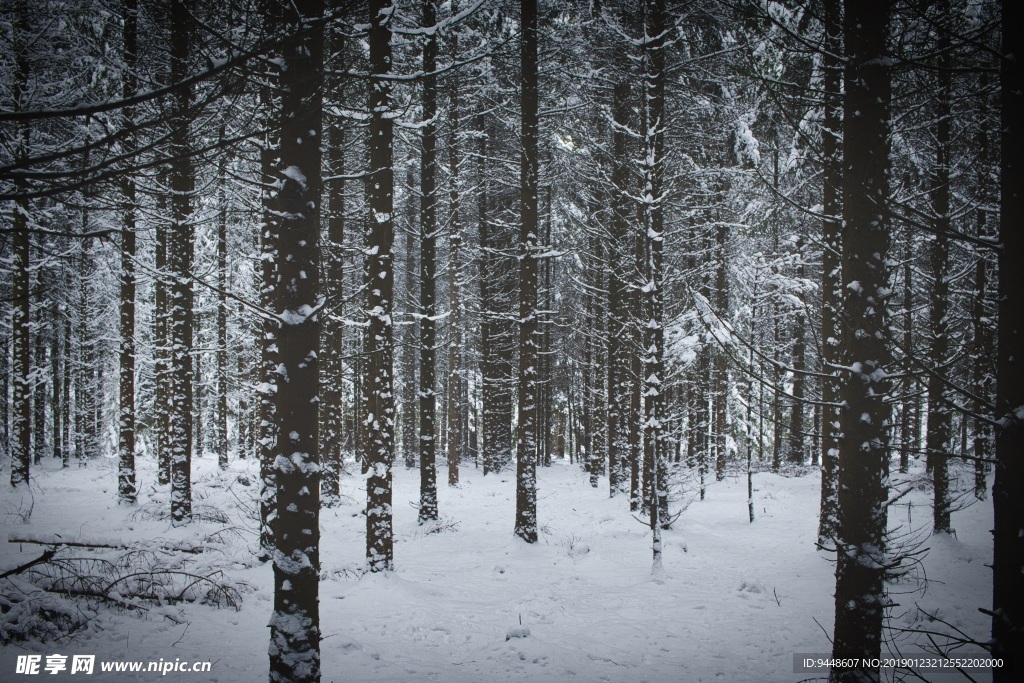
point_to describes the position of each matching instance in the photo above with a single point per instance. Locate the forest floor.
(735, 603)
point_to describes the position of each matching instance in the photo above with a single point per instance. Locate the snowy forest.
(472, 340)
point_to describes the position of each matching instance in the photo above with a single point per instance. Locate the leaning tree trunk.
(863, 450)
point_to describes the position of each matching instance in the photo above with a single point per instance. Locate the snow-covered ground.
(735, 603)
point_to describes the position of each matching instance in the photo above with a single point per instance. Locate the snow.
(295, 173)
(470, 602)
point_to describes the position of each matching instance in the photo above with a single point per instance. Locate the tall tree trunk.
(526, 444)
(720, 399)
(161, 339)
(21, 370)
(907, 441)
(180, 248)
(796, 417)
(126, 488)
(456, 397)
(863, 450)
(618, 322)
(831, 268)
(1008, 551)
(655, 27)
(332, 404)
(939, 440)
(269, 279)
(428, 275)
(221, 430)
(379, 382)
(57, 383)
(39, 385)
(295, 621)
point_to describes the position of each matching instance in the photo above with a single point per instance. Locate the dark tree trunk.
(796, 417)
(270, 229)
(939, 442)
(720, 397)
(1008, 553)
(332, 404)
(907, 427)
(428, 276)
(180, 255)
(162, 341)
(295, 621)
(655, 27)
(380, 235)
(863, 450)
(831, 286)
(618, 321)
(526, 444)
(220, 446)
(126, 489)
(21, 399)
(457, 398)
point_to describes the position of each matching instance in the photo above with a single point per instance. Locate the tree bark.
(863, 450)
(526, 444)
(180, 255)
(295, 621)
(126, 488)
(428, 275)
(379, 382)
(831, 268)
(1008, 551)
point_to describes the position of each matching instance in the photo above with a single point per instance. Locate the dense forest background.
(667, 242)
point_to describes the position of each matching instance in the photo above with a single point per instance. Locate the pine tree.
(379, 386)
(126, 487)
(180, 257)
(863, 448)
(298, 303)
(526, 444)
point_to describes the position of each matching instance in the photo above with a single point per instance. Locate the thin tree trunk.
(796, 422)
(831, 287)
(220, 445)
(526, 445)
(332, 404)
(126, 488)
(181, 245)
(21, 369)
(457, 384)
(162, 342)
(269, 279)
(428, 276)
(939, 440)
